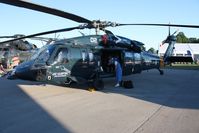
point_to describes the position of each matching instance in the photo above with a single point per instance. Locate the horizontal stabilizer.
(180, 59)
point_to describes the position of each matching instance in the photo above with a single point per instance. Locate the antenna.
(82, 33)
(175, 32)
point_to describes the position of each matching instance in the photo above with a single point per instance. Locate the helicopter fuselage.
(83, 59)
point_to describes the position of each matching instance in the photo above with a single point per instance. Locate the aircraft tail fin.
(171, 40)
(168, 56)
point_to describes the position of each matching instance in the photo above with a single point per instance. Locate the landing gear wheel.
(161, 72)
(68, 82)
(40, 76)
(98, 84)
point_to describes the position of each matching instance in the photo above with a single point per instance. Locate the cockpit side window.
(84, 55)
(90, 56)
(62, 56)
(87, 55)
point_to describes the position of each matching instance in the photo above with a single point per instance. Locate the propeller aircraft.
(85, 59)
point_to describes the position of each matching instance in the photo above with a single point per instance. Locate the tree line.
(181, 38)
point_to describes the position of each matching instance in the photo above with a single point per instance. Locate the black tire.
(161, 72)
(98, 84)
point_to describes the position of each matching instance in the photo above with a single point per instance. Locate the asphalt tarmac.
(166, 103)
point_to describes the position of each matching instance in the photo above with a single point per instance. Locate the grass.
(184, 66)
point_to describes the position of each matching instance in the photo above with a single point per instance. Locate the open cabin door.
(106, 55)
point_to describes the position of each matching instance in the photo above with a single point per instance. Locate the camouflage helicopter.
(85, 59)
(15, 52)
(12, 53)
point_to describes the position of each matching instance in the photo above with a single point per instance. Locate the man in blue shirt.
(118, 72)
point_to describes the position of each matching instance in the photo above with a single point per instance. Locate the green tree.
(152, 50)
(181, 38)
(193, 40)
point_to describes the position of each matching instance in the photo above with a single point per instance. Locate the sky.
(15, 20)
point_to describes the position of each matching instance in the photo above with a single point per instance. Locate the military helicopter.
(85, 59)
(12, 53)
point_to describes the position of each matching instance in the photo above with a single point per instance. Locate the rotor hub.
(103, 24)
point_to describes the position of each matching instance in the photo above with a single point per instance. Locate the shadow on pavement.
(19, 113)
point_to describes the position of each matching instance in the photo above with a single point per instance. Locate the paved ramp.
(167, 103)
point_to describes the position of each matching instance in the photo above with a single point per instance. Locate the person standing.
(118, 72)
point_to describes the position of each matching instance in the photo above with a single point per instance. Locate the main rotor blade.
(42, 33)
(6, 36)
(13, 36)
(52, 11)
(172, 25)
(43, 38)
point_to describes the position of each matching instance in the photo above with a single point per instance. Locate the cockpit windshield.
(3, 52)
(43, 53)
